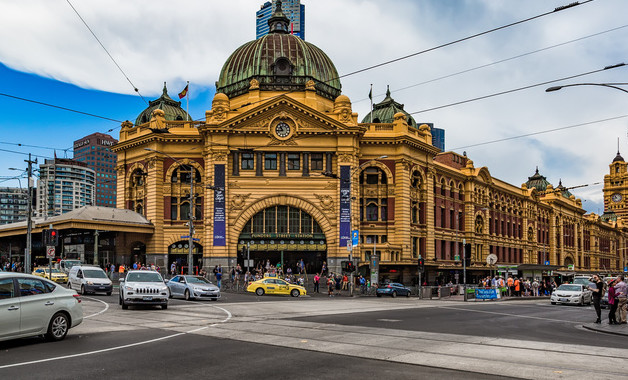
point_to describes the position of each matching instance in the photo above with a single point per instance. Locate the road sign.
(625, 269)
(50, 252)
(349, 247)
(355, 235)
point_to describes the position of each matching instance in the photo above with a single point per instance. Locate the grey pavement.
(604, 327)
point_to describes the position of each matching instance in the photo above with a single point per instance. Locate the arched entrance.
(178, 253)
(283, 236)
(138, 253)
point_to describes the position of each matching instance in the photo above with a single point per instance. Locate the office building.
(63, 186)
(293, 9)
(13, 204)
(95, 151)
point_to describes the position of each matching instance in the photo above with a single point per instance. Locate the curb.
(622, 331)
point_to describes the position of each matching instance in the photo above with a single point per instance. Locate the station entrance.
(282, 237)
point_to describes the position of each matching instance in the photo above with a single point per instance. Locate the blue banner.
(345, 205)
(219, 206)
(486, 294)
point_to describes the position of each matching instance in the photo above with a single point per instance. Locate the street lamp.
(611, 85)
(332, 175)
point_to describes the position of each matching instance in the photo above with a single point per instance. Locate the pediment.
(303, 119)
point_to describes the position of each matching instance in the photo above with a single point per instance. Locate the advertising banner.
(219, 206)
(486, 294)
(345, 205)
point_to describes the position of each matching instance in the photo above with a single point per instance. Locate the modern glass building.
(95, 151)
(63, 186)
(438, 137)
(293, 9)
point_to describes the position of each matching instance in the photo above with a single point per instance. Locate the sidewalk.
(604, 327)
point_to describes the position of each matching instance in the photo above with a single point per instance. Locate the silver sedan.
(192, 287)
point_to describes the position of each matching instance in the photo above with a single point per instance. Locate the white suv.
(143, 287)
(89, 279)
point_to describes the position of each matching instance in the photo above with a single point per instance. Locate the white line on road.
(100, 312)
(120, 347)
(507, 314)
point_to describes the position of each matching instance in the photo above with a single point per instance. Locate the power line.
(541, 132)
(30, 146)
(106, 51)
(499, 61)
(516, 89)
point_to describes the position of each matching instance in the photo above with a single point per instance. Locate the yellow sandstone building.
(284, 171)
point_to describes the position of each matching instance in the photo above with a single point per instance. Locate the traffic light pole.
(27, 253)
(464, 269)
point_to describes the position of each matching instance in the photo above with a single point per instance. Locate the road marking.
(229, 316)
(507, 314)
(100, 312)
(389, 320)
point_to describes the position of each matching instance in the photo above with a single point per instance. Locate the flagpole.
(371, 97)
(187, 100)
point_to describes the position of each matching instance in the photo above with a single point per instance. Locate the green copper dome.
(171, 108)
(384, 111)
(537, 181)
(279, 61)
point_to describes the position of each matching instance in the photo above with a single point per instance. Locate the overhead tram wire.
(517, 89)
(541, 132)
(557, 9)
(498, 62)
(31, 146)
(106, 51)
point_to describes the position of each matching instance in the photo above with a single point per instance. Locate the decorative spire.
(537, 169)
(278, 22)
(388, 91)
(165, 91)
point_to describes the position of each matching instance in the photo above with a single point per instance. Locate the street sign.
(355, 234)
(188, 236)
(625, 269)
(349, 247)
(50, 252)
(570, 267)
(547, 262)
(491, 259)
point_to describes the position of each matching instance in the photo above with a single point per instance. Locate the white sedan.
(31, 305)
(571, 294)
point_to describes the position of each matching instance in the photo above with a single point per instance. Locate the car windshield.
(54, 270)
(70, 264)
(197, 280)
(570, 288)
(94, 273)
(144, 277)
(581, 281)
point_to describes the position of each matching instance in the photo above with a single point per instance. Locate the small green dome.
(279, 61)
(537, 181)
(384, 111)
(171, 108)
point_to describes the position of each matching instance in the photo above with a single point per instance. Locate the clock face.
(282, 129)
(616, 197)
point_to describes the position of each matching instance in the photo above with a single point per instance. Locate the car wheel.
(108, 293)
(553, 303)
(379, 295)
(581, 303)
(186, 295)
(294, 293)
(58, 327)
(394, 294)
(82, 290)
(124, 305)
(164, 307)
(214, 299)
(259, 291)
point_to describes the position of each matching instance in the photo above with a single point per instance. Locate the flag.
(183, 93)
(371, 93)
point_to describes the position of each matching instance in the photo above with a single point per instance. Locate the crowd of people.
(15, 266)
(519, 287)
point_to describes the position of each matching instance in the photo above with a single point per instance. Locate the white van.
(89, 279)
(67, 264)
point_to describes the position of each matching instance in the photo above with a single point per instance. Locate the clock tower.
(616, 190)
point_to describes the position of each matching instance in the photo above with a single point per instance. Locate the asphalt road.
(316, 337)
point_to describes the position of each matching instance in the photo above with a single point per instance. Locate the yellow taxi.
(274, 285)
(57, 275)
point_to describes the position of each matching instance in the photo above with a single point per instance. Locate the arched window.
(182, 175)
(283, 220)
(443, 191)
(137, 178)
(373, 176)
(479, 224)
(460, 193)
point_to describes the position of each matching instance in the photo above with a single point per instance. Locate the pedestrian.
(218, 276)
(330, 285)
(535, 288)
(598, 291)
(173, 268)
(362, 281)
(317, 279)
(612, 302)
(621, 290)
(338, 280)
(511, 286)
(345, 282)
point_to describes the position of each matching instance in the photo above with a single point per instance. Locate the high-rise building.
(63, 186)
(95, 151)
(13, 204)
(438, 137)
(293, 9)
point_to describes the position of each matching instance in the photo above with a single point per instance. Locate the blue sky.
(54, 59)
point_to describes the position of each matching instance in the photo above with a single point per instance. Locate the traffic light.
(347, 266)
(350, 267)
(50, 237)
(421, 264)
(467, 254)
(45, 236)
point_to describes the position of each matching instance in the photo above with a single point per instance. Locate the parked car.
(57, 275)
(89, 279)
(143, 287)
(31, 306)
(272, 285)
(192, 287)
(67, 264)
(571, 294)
(393, 289)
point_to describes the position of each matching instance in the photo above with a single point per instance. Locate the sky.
(48, 55)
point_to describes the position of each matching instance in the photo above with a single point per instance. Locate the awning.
(565, 273)
(538, 267)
